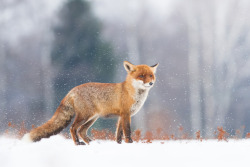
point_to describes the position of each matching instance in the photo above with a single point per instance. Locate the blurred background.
(203, 47)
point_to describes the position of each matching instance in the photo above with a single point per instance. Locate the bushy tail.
(56, 124)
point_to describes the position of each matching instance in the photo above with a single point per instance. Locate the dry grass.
(18, 131)
(137, 135)
(198, 135)
(221, 134)
(104, 134)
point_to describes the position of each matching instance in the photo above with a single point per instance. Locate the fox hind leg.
(84, 128)
(73, 130)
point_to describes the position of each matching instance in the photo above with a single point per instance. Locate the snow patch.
(58, 151)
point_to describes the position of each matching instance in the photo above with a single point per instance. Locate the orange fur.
(90, 101)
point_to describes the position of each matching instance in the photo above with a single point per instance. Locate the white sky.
(117, 9)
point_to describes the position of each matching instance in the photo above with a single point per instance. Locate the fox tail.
(60, 120)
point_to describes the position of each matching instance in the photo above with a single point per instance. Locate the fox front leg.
(119, 131)
(126, 128)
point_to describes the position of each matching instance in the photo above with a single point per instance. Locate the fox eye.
(141, 76)
(151, 76)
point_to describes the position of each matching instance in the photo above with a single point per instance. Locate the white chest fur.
(139, 98)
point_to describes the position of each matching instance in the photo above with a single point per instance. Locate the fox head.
(142, 76)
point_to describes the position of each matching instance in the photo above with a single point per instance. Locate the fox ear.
(129, 67)
(154, 67)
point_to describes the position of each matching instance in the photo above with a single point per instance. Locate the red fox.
(88, 102)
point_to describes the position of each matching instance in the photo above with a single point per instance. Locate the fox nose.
(151, 83)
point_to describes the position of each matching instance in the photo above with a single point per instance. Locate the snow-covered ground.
(57, 151)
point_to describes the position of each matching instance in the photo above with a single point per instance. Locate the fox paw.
(128, 140)
(119, 141)
(80, 143)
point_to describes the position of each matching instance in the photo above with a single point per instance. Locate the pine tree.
(79, 51)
